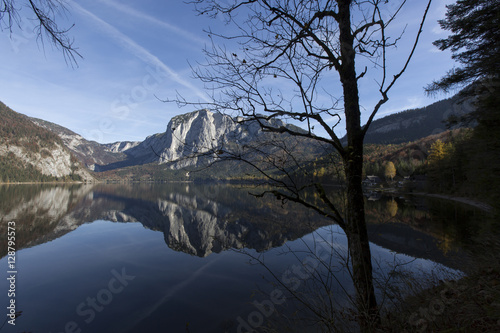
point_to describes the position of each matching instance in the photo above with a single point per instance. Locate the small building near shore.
(372, 180)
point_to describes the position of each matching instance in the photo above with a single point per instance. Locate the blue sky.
(136, 50)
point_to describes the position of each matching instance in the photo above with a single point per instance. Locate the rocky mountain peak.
(187, 135)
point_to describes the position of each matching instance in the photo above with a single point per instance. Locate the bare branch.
(286, 54)
(384, 91)
(45, 12)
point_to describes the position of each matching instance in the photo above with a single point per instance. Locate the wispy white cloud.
(138, 51)
(153, 20)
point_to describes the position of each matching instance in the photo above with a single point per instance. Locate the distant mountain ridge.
(411, 125)
(88, 152)
(193, 139)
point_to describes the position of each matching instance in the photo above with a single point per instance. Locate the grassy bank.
(470, 304)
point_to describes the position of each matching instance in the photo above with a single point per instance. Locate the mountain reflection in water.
(197, 220)
(70, 253)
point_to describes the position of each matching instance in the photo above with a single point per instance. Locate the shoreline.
(49, 183)
(468, 201)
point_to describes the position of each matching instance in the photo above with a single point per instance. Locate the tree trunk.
(357, 235)
(359, 251)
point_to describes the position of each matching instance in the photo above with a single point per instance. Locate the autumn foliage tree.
(444, 168)
(390, 170)
(439, 151)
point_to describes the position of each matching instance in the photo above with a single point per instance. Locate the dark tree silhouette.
(45, 12)
(474, 42)
(296, 60)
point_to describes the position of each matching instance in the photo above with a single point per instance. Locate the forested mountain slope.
(415, 124)
(31, 153)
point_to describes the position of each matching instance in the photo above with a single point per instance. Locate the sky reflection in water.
(98, 260)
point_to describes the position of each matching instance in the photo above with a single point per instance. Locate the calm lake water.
(185, 257)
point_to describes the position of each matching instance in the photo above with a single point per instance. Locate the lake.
(203, 258)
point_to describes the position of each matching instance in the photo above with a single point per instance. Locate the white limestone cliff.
(190, 136)
(55, 161)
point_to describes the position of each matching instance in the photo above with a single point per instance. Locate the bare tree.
(310, 49)
(45, 12)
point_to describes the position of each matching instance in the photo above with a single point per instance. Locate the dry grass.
(471, 304)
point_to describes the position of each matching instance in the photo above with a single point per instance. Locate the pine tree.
(474, 43)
